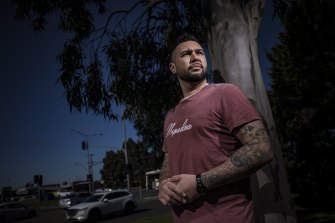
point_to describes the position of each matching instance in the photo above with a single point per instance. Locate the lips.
(195, 65)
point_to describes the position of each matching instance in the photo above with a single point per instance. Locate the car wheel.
(94, 216)
(130, 208)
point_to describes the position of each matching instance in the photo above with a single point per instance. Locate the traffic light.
(84, 145)
(38, 179)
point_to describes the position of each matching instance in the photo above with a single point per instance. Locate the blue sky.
(35, 121)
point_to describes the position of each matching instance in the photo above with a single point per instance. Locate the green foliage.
(114, 170)
(302, 97)
(316, 216)
(120, 57)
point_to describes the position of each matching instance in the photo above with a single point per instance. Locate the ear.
(172, 67)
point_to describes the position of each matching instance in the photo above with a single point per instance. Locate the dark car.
(13, 211)
(75, 198)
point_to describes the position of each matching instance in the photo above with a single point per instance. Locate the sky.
(35, 120)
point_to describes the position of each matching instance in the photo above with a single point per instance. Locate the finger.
(175, 193)
(169, 198)
(171, 194)
(177, 200)
(163, 200)
(163, 193)
(175, 178)
(174, 187)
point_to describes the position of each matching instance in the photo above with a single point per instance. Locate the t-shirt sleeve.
(236, 108)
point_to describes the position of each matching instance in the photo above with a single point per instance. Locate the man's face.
(189, 62)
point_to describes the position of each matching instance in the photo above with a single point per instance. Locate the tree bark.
(233, 48)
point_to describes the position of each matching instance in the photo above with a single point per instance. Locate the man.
(213, 140)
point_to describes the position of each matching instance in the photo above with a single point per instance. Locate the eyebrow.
(188, 50)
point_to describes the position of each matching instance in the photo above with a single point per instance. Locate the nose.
(194, 57)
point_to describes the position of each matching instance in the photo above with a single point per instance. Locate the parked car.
(48, 196)
(12, 211)
(64, 193)
(102, 204)
(73, 199)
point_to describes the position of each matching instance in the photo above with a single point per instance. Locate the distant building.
(151, 179)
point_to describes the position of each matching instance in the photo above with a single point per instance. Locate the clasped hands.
(178, 190)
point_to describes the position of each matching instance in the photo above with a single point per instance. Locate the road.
(146, 207)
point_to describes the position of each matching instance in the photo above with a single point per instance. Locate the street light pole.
(126, 154)
(87, 137)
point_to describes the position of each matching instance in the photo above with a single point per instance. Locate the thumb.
(175, 178)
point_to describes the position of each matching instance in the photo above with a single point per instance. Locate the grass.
(163, 218)
(319, 216)
(35, 203)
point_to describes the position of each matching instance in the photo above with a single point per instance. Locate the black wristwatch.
(201, 189)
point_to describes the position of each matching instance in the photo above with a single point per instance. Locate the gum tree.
(120, 57)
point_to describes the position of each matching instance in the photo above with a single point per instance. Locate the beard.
(193, 78)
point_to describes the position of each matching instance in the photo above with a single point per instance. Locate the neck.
(192, 88)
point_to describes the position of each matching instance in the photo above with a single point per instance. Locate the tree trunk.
(233, 47)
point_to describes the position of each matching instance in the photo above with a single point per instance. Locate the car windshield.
(93, 198)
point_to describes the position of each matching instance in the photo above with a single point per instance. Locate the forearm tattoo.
(254, 153)
(164, 170)
(254, 139)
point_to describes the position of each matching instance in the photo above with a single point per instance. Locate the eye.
(185, 53)
(200, 52)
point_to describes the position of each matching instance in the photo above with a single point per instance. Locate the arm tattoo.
(164, 170)
(255, 152)
(254, 139)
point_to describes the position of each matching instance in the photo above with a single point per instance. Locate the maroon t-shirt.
(198, 137)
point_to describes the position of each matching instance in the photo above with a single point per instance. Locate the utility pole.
(85, 146)
(126, 154)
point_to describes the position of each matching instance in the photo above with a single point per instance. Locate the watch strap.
(201, 189)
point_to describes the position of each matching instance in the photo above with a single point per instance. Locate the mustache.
(195, 64)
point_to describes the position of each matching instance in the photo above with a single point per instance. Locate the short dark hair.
(182, 38)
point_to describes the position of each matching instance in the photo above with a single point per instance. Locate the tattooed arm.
(254, 153)
(163, 175)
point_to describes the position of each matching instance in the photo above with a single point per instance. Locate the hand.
(186, 183)
(170, 194)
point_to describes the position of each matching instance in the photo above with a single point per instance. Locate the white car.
(102, 204)
(74, 199)
(64, 193)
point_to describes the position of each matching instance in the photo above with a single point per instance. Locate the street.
(146, 207)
